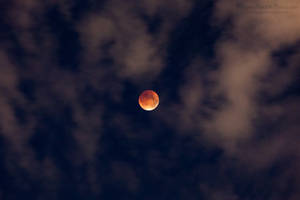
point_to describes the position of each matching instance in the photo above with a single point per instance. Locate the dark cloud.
(227, 124)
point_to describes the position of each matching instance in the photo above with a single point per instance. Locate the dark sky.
(227, 74)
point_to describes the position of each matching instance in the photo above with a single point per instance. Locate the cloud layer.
(227, 125)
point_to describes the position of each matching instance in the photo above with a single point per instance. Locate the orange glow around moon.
(148, 100)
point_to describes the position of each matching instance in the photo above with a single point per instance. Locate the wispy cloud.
(237, 105)
(232, 103)
(116, 44)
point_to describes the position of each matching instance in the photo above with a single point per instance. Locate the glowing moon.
(148, 100)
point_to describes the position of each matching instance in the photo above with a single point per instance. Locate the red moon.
(148, 100)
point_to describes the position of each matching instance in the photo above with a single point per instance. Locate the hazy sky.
(227, 73)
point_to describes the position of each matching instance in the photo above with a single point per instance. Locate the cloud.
(245, 61)
(242, 104)
(118, 32)
(117, 45)
(10, 127)
(222, 102)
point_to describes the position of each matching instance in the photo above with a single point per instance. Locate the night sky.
(227, 73)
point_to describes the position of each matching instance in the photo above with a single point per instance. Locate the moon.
(148, 100)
